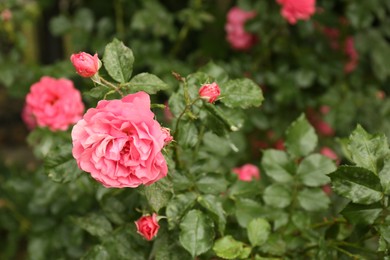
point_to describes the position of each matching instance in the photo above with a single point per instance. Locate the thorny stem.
(328, 223)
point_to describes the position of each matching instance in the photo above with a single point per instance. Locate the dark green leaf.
(214, 206)
(215, 71)
(197, 233)
(95, 224)
(313, 199)
(357, 184)
(367, 150)
(145, 82)
(277, 165)
(118, 61)
(212, 184)
(244, 188)
(258, 231)
(275, 245)
(97, 252)
(277, 195)
(242, 93)
(178, 206)
(97, 92)
(188, 134)
(362, 214)
(159, 193)
(313, 170)
(215, 144)
(229, 248)
(301, 138)
(246, 210)
(384, 176)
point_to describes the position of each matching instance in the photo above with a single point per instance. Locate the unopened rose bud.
(167, 135)
(85, 64)
(147, 226)
(210, 92)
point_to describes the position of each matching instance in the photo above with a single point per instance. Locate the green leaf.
(178, 206)
(145, 82)
(118, 61)
(188, 135)
(95, 224)
(229, 248)
(244, 188)
(214, 206)
(246, 210)
(277, 195)
(384, 175)
(226, 121)
(277, 165)
(367, 150)
(158, 194)
(97, 252)
(243, 93)
(215, 144)
(97, 92)
(362, 214)
(313, 199)
(275, 245)
(197, 232)
(212, 184)
(258, 231)
(61, 166)
(301, 138)
(313, 170)
(357, 184)
(215, 71)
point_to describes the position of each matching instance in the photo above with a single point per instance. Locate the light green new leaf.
(313, 170)
(357, 184)
(229, 248)
(277, 195)
(197, 232)
(313, 199)
(258, 231)
(118, 61)
(301, 138)
(243, 93)
(145, 82)
(367, 150)
(277, 165)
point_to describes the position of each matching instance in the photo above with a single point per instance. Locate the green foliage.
(229, 248)
(118, 61)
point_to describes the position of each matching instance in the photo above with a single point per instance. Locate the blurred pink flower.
(326, 151)
(119, 143)
(6, 15)
(52, 103)
(293, 10)
(352, 54)
(235, 27)
(247, 172)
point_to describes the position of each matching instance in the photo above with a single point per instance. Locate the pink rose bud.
(85, 64)
(326, 151)
(147, 226)
(327, 189)
(294, 10)
(247, 172)
(210, 92)
(167, 135)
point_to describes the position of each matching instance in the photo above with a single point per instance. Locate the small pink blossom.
(167, 135)
(380, 94)
(317, 121)
(247, 172)
(210, 92)
(85, 64)
(293, 10)
(235, 27)
(119, 143)
(326, 151)
(6, 15)
(327, 189)
(52, 103)
(147, 226)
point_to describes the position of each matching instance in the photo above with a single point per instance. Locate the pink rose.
(52, 103)
(235, 27)
(147, 226)
(119, 143)
(352, 55)
(247, 172)
(167, 135)
(85, 64)
(210, 92)
(293, 10)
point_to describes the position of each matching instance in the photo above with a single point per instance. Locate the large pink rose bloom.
(52, 103)
(119, 143)
(293, 10)
(235, 27)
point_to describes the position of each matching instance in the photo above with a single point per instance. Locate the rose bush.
(320, 195)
